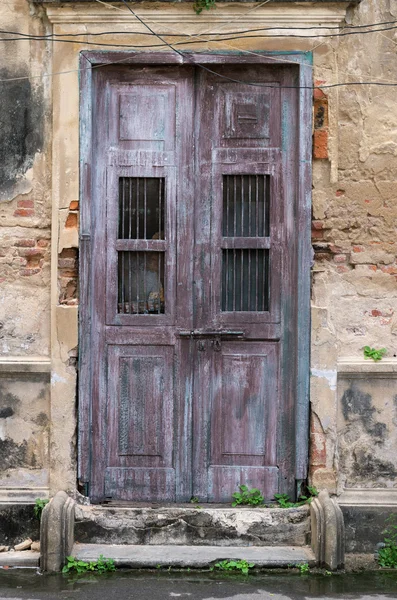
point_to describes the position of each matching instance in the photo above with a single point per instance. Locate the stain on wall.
(366, 436)
(21, 128)
(24, 429)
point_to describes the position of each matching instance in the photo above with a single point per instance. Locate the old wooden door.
(193, 270)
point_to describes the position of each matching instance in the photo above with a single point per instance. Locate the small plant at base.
(194, 500)
(102, 565)
(39, 505)
(200, 5)
(252, 497)
(313, 491)
(284, 501)
(234, 565)
(303, 568)
(387, 556)
(376, 355)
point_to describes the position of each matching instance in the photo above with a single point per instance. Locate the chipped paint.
(329, 375)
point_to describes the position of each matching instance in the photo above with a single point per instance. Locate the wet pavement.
(132, 585)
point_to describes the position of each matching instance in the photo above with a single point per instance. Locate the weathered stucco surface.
(354, 281)
(355, 272)
(25, 237)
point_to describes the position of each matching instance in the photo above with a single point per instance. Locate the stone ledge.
(368, 497)
(22, 364)
(26, 558)
(22, 495)
(195, 557)
(232, 14)
(359, 367)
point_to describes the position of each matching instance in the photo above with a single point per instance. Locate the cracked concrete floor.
(132, 585)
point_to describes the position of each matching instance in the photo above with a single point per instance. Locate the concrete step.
(195, 557)
(25, 558)
(192, 526)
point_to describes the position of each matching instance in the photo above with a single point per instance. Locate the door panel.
(141, 422)
(193, 271)
(238, 386)
(244, 404)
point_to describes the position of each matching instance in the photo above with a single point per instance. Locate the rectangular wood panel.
(244, 404)
(141, 422)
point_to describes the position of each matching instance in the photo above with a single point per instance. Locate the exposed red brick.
(69, 253)
(28, 272)
(318, 451)
(358, 249)
(43, 243)
(69, 274)
(318, 94)
(317, 225)
(24, 212)
(376, 313)
(66, 263)
(320, 143)
(71, 221)
(342, 269)
(74, 205)
(340, 258)
(391, 269)
(25, 204)
(25, 243)
(317, 234)
(30, 252)
(335, 249)
(339, 193)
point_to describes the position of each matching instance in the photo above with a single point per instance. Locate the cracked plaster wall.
(354, 281)
(25, 237)
(354, 284)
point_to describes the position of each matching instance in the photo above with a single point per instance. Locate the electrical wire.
(186, 42)
(185, 54)
(258, 29)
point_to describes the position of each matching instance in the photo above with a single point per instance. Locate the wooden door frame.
(90, 60)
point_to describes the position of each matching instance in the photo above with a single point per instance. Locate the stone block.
(328, 532)
(57, 532)
(187, 525)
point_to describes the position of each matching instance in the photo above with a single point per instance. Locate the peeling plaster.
(328, 374)
(55, 378)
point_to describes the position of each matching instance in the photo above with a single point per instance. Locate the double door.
(193, 269)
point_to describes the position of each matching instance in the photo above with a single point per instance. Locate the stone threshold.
(194, 557)
(22, 559)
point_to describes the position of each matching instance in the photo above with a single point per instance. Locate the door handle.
(199, 333)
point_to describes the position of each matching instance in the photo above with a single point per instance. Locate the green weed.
(387, 556)
(376, 355)
(39, 505)
(303, 568)
(102, 565)
(284, 501)
(201, 5)
(248, 497)
(234, 565)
